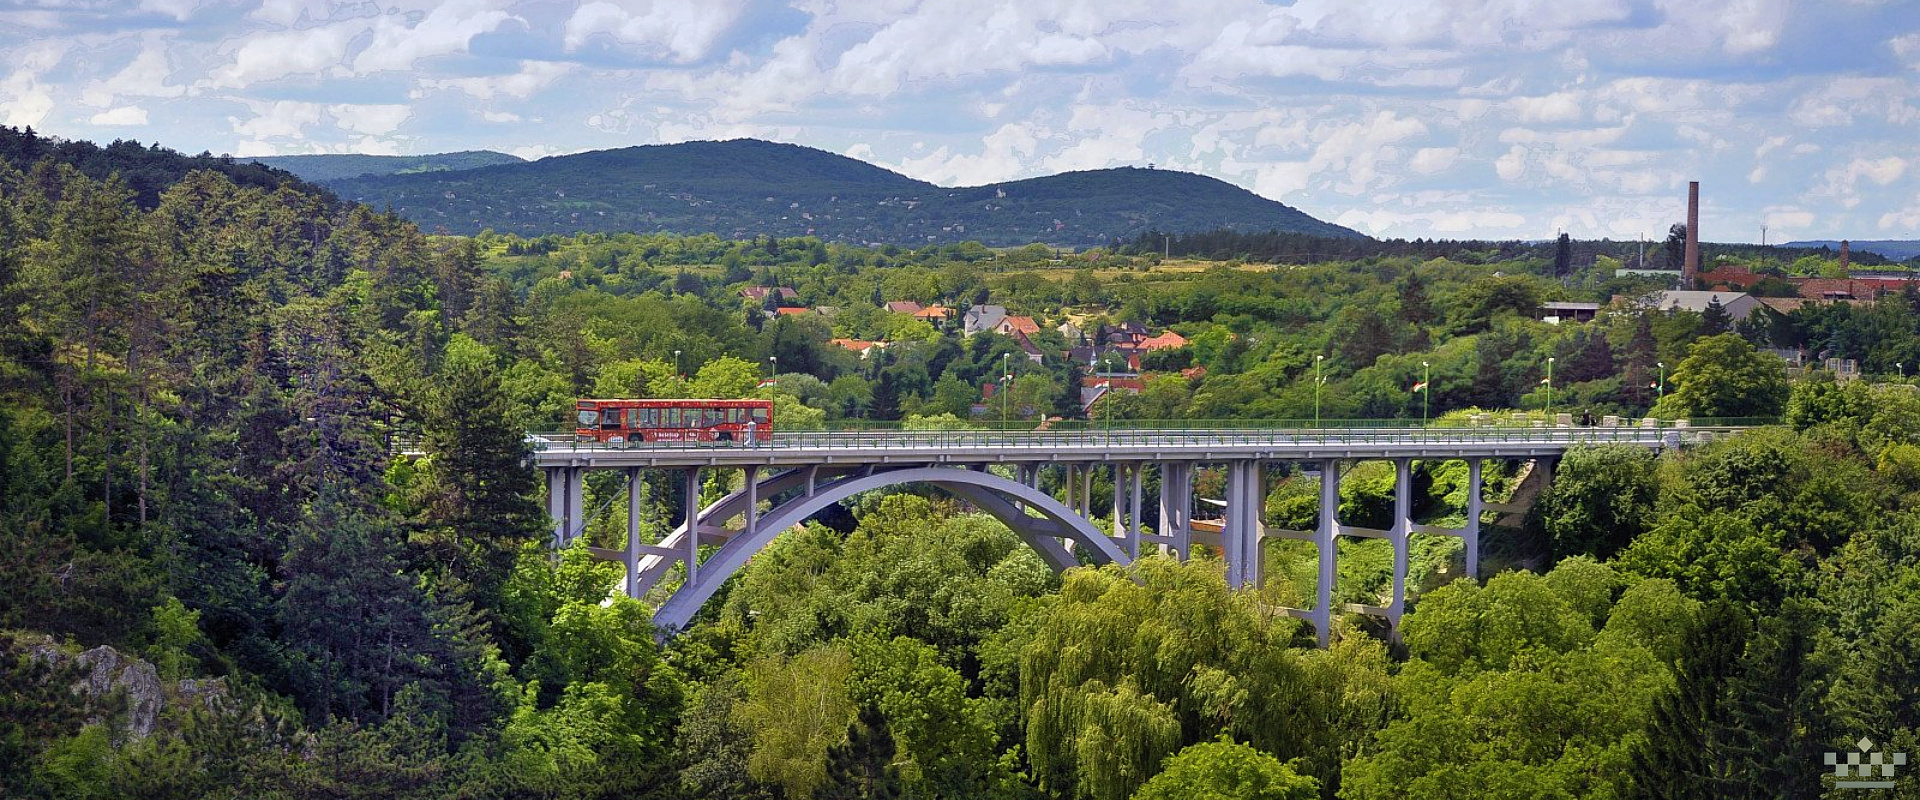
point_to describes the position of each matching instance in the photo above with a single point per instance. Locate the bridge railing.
(1182, 433)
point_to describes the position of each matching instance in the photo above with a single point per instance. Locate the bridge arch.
(993, 494)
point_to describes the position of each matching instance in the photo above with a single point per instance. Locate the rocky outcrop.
(128, 690)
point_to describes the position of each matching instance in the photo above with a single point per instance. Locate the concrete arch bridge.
(802, 472)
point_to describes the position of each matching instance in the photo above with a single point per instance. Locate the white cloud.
(1430, 160)
(499, 116)
(272, 56)
(680, 32)
(447, 29)
(122, 115)
(24, 100)
(1556, 107)
(145, 76)
(532, 77)
(280, 119)
(372, 119)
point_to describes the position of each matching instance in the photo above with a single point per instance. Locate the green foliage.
(1601, 498)
(797, 709)
(1227, 770)
(1723, 376)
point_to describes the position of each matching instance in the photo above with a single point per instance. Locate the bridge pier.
(1327, 543)
(1176, 508)
(566, 490)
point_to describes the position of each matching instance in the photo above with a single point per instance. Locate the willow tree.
(1128, 667)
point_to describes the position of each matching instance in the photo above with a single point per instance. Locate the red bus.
(622, 421)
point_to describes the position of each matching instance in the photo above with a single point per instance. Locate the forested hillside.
(224, 579)
(333, 167)
(748, 188)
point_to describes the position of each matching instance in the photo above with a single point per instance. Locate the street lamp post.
(1005, 378)
(773, 370)
(1317, 380)
(1549, 389)
(678, 371)
(1426, 390)
(1662, 385)
(1903, 369)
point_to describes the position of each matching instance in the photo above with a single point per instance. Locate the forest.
(227, 578)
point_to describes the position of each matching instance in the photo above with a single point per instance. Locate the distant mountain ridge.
(333, 167)
(1896, 249)
(748, 187)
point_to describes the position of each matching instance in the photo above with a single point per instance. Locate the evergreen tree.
(886, 397)
(484, 499)
(1715, 320)
(1684, 756)
(1415, 307)
(861, 768)
(1563, 256)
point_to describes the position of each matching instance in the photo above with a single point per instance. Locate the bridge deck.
(802, 448)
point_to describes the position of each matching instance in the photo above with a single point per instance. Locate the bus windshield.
(589, 418)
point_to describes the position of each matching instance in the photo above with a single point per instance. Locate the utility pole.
(1006, 378)
(1663, 379)
(1426, 390)
(1549, 390)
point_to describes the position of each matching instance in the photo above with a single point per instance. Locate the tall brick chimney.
(1846, 257)
(1691, 265)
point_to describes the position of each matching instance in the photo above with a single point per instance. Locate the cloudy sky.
(1449, 118)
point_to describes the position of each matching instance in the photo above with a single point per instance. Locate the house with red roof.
(1165, 341)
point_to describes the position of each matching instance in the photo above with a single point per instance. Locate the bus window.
(760, 415)
(672, 418)
(589, 419)
(634, 418)
(649, 418)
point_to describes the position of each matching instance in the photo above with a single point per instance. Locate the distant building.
(760, 292)
(982, 318)
(1165, 341)
(1011, 325)
(1566, 312)
(1070, 332)
(1738, 305)
(861, 346)
(904, 307)
(933, 314)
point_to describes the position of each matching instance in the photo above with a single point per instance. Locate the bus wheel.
(723, 436)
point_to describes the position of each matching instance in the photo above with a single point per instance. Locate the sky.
(1402, 118)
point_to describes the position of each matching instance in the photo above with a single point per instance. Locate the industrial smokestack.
(1846, 258)
(1691, 266)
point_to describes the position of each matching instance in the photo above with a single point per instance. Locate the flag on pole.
(766, 382)
(1545, 381)
(1654, 385)
(1420, 387)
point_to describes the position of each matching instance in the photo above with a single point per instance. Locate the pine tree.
(886, 398)
(1715, 320)
(861, 768)
(485, 490)
(1563, 257)
(1415, 307)
(1683, 756)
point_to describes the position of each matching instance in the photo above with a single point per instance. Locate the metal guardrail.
(1188, 433)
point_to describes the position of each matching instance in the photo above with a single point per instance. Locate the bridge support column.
(1327, 539)
(1401, 534)
(1240, 531)
(631, 557)
(690, 501)
(565, 502)
(1135, 526)
(1176, 508)
(752, 522)
(557, 503)
(1471, 531)
(1086, 491)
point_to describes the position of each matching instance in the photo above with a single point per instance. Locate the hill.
(333, 167)
(747, 188)
(1896, 249)
(146, 169)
